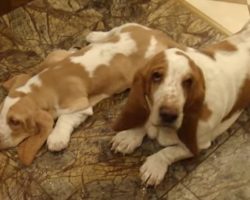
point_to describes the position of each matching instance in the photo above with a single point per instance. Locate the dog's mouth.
(164, 125)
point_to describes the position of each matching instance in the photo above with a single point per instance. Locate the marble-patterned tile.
(29, 33)
(225, 174)
(179, 192)
(22, 186)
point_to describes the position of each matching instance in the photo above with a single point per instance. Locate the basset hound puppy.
(70, 84)
(185, 98)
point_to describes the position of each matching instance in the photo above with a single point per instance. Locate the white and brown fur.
(70, 84)
(185, 98)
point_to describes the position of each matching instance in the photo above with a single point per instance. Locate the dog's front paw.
(153, 170)
(127, 141)
(57, 141)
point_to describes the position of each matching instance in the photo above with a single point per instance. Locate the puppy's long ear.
(28, 149)
(16, 81)
(193, 110)
(136, 110)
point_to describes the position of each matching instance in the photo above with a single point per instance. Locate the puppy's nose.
(168, 115)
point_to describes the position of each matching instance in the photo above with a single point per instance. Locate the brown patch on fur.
(16, 81)
(242, 101)
(221, 46)
(193, 108)
(205, 113)
(28, 149)
(136, 111)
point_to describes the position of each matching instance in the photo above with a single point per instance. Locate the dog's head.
(168, 92)
(21, 123)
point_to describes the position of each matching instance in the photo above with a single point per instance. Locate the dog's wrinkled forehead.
(178, 64)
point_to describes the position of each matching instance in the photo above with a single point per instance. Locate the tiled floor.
(88, 169)
(229, 14)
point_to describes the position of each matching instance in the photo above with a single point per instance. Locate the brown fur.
(136, 110)
(193, 108)
(69, 86)
(221, 46)
(28, 149)
(205, 113)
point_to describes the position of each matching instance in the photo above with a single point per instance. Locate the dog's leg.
(155, 167)
(60, 136)
(127, 141)
(97, 36)
(102, 36)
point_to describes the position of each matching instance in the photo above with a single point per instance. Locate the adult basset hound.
(70, 84)
(185, 98)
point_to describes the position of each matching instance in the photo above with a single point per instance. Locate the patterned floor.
(88, 169)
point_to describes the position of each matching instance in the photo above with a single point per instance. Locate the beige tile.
(179, 192)
(234, 1)
(231, 16)
(225, 175)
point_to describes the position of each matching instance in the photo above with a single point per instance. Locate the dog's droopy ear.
(28, 149)
(193, 109)
(136, 110)
(16, 81)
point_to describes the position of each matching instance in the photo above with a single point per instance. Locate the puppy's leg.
(60, 136)
(101, 36)
(155, 167)
(127, 141)
(97, 36)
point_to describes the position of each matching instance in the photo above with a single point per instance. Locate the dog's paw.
(57, 141)
(153, 170)
(126, 141)
(96, 36)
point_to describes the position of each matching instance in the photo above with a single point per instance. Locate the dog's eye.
(14, 122)
(187, 83)
(157, 77)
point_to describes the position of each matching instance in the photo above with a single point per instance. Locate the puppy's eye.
(187, 83)
(14, 122)
(157, 77)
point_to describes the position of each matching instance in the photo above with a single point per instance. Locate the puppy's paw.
(127, 141)
(153, 170)
(57, 141)
(96, 36)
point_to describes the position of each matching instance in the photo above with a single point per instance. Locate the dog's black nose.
(167, 115)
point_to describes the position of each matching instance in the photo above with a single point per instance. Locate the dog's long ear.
(16, 81)
(43, 123)
(193, 109)
(136, 110)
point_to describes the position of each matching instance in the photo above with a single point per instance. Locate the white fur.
(102, 54)
(60, 136)
(34, 81)
(152, 48)
(155, 167)
(127, 141)
(5, 130)
(99, 36)
(224, 77)
(170, 92)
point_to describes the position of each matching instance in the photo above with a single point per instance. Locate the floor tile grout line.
(181, 180)
(187, 188)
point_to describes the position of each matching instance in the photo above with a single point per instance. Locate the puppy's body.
(193, 96)
(68, 89)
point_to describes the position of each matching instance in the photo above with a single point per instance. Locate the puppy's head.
(20, 121)
(168, 92)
